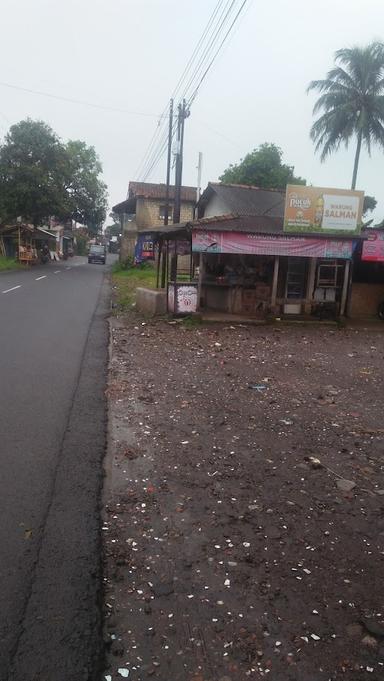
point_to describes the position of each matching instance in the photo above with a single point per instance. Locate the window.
(162, 213)
(330, 273)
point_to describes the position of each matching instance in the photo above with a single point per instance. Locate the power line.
(152, 149)
(191, 100)
(193, 70)
(195, 51)
(78, 101)
(160, 151)
(149, 149)
(210, 46)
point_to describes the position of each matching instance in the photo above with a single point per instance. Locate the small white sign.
(187, 299)
(340, 212)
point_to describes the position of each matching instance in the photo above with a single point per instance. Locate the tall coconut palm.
(351, 101)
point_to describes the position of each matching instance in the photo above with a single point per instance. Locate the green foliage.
(41, 177)
(127, 279)
(112, 230)
(81, 244)
(369, 205)
(87, 193)
(9, 264)
(351, 102)
(263, 167)
(115, 228)
(32, 173)
(191, 322)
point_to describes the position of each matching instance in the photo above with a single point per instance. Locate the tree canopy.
(113, 229)
(351, 101)
(262, 167)
(40, 177)
(369, 205)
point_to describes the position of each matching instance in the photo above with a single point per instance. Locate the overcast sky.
(129, 54)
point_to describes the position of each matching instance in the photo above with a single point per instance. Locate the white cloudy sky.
(129, 54)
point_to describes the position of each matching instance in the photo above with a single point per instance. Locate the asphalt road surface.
(53, 354)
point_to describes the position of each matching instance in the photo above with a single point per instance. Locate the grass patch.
(191, 322)
(127, 279)
(9, 264)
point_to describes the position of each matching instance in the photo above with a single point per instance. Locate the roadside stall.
(257, 266)
(25, 242)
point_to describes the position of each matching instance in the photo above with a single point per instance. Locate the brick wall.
(147, 212)
(147, 216)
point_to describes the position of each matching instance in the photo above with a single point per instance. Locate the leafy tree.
(115, 228)
(42, 177)
(352, 102)
(32, 173)
(87, 193)
(263, 167)
(369, 205)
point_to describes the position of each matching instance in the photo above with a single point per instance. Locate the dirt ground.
(244, 518)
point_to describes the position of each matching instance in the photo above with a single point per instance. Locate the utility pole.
(183, 113)
(166, 211)
(199, 170)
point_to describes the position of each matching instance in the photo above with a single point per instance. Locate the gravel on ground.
(244, 503)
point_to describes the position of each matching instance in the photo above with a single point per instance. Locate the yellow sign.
(323, 210)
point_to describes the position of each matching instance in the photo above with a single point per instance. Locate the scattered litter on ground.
(243, 532)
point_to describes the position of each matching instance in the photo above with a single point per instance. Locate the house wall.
(365, 299)
(128, 239)
(215, 206)
(147, 212)
(147, 216)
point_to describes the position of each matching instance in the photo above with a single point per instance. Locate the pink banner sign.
(373, 248)
(265, 244)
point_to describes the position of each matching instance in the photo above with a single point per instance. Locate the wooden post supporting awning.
(346, 284)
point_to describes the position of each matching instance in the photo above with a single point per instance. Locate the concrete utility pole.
(183, 113)
(199, 171)
(166, 211)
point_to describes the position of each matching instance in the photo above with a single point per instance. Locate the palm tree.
(352, 102)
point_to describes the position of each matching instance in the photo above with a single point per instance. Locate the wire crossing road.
(53, 354)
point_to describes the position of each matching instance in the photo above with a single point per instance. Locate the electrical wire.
(199, 66)
(149, 150)
(193, 97)
(78, 101)
(210, 46)
(211, 34)
(153, 145)
(161, 151)
(195, 51)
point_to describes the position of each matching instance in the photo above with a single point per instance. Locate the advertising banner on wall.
(373, 247)
(262, 244)
(145, 247)
(323, 210)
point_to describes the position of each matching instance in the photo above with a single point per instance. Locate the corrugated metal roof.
(241, 223)
(246, 200)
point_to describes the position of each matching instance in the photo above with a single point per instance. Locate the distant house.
(237, 199)
(145, 208)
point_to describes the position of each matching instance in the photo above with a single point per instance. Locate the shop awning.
(39, 234)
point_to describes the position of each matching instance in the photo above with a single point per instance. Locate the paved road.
(53, 350)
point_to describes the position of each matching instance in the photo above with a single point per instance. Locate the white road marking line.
(43, 277)
(12, 289)
(68, 268)
(57, 272)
